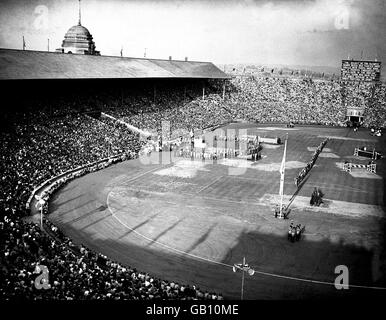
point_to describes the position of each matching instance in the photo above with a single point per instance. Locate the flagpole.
(242, 281)
(282, 175)
(41, 217)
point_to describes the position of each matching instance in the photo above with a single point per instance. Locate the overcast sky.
(303, 32)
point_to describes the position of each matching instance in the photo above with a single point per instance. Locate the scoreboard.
(360, 70)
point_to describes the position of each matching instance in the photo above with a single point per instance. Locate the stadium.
(138, 179)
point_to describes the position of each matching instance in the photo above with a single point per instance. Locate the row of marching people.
(310, 164)
(295, 232)
(213, 155)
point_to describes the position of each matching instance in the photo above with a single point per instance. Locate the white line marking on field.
(208, 185)
(344, 138)
(142, 174)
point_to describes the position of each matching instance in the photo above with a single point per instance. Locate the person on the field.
(298, 231)
(293, 233)
(320, 195)
(314, 197)
(277, 210)
(290, 229)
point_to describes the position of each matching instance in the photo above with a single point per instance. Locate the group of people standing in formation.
(376, 132)
(310, 164)
(207, 154)
(316, 197)
(295, 232)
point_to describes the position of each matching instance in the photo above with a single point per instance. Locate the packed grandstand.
(268, 99)
(58, 134)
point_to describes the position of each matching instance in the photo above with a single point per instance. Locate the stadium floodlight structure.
(243, 267)
(40, 203)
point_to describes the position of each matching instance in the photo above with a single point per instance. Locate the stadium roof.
(26, 64)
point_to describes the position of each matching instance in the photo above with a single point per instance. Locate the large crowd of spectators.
(257, 99)
(305, 101)
(183, 107)
(287, 100)
(375, 110)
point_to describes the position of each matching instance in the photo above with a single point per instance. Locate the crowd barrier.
(270, 140)
(368, 154)
(372, 167)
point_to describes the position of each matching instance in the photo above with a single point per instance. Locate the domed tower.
(78, 40)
